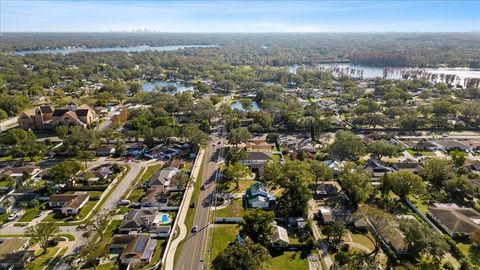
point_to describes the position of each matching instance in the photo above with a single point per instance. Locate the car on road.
(192, 205)
(202, 187)
(194, 229)
(124, 202)
(13, 216)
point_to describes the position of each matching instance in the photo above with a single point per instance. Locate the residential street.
(191, 255)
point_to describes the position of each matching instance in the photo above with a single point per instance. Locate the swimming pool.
(165, 218)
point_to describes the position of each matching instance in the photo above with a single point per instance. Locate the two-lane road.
(191, 255)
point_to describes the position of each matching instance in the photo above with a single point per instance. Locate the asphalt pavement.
(191, 256)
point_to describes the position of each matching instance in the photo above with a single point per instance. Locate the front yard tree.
(272, 172)
(236, 171)
(257, 225)
(96, 227)
(61, 131)
(64, 171)
(334, 232)
(241, 255)
(403, 183)
(458, 157)
(458, 187)
(436, 171)
(92, 253)
(355, 183)
(321, 171)
(86, 156)
(183, 180)
(42, 233)
(347, 145)
(195, 136)
(422, 241)
(382, 148)
(238, 135)
(235, 154)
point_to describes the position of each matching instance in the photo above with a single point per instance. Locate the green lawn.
(422, 153)
(42, 260)
(149, 172)
(105, 266)
(4, 183)
(30, 213)
(235, 209)
(242, 186)
(222, 234)
(4, 217)
(420, 204)
(363, 240)
(136, 195)
(287, 260)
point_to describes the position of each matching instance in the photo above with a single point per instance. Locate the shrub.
(342, 257)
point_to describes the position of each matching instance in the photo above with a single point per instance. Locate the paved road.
(109, 204)
(191, 255)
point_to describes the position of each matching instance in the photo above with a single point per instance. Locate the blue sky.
(246, 16)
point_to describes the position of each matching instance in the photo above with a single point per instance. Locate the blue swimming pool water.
(165, 218)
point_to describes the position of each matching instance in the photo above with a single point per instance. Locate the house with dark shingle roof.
(134, 249)
(455, 220)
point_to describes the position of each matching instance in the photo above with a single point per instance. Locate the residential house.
(424, 145)
(17, 172)
(258, 145)
(255, 160)
(69, 203)
(134, 249)
(411, 166)
(455, 220)
(280, 237)
(448, 145)
(105, 151)
(13, 254)
(45, 117)
(156, 196)
(100, 173)
(327, 215)
(257, 196)
(139, 220)
(174, 163)
(326, 189)
(163, 177)
(376, 169)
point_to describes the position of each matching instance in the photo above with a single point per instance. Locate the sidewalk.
(169, 257)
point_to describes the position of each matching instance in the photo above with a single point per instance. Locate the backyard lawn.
(291, 260)
(235, 209)
(363, 240)
(222, 234)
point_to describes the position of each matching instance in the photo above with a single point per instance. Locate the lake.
(140, 48)
(238, 105)
(150, 86)
(435, 74)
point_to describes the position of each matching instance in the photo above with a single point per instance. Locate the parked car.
(13, 216)
(124, 202)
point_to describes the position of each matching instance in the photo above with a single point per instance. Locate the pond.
(140, 48)
(151, 85)
(238, 105)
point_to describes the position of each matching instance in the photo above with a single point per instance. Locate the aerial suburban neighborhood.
(179, 151)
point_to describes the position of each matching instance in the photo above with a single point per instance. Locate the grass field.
(30, 213)
(222, 234)
(291, 260)
(242, 186)
(363, 240)
(41, 261)
(235, 209)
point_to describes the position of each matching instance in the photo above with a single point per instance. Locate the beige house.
(45, 117)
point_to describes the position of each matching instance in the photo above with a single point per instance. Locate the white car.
(13, 216)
